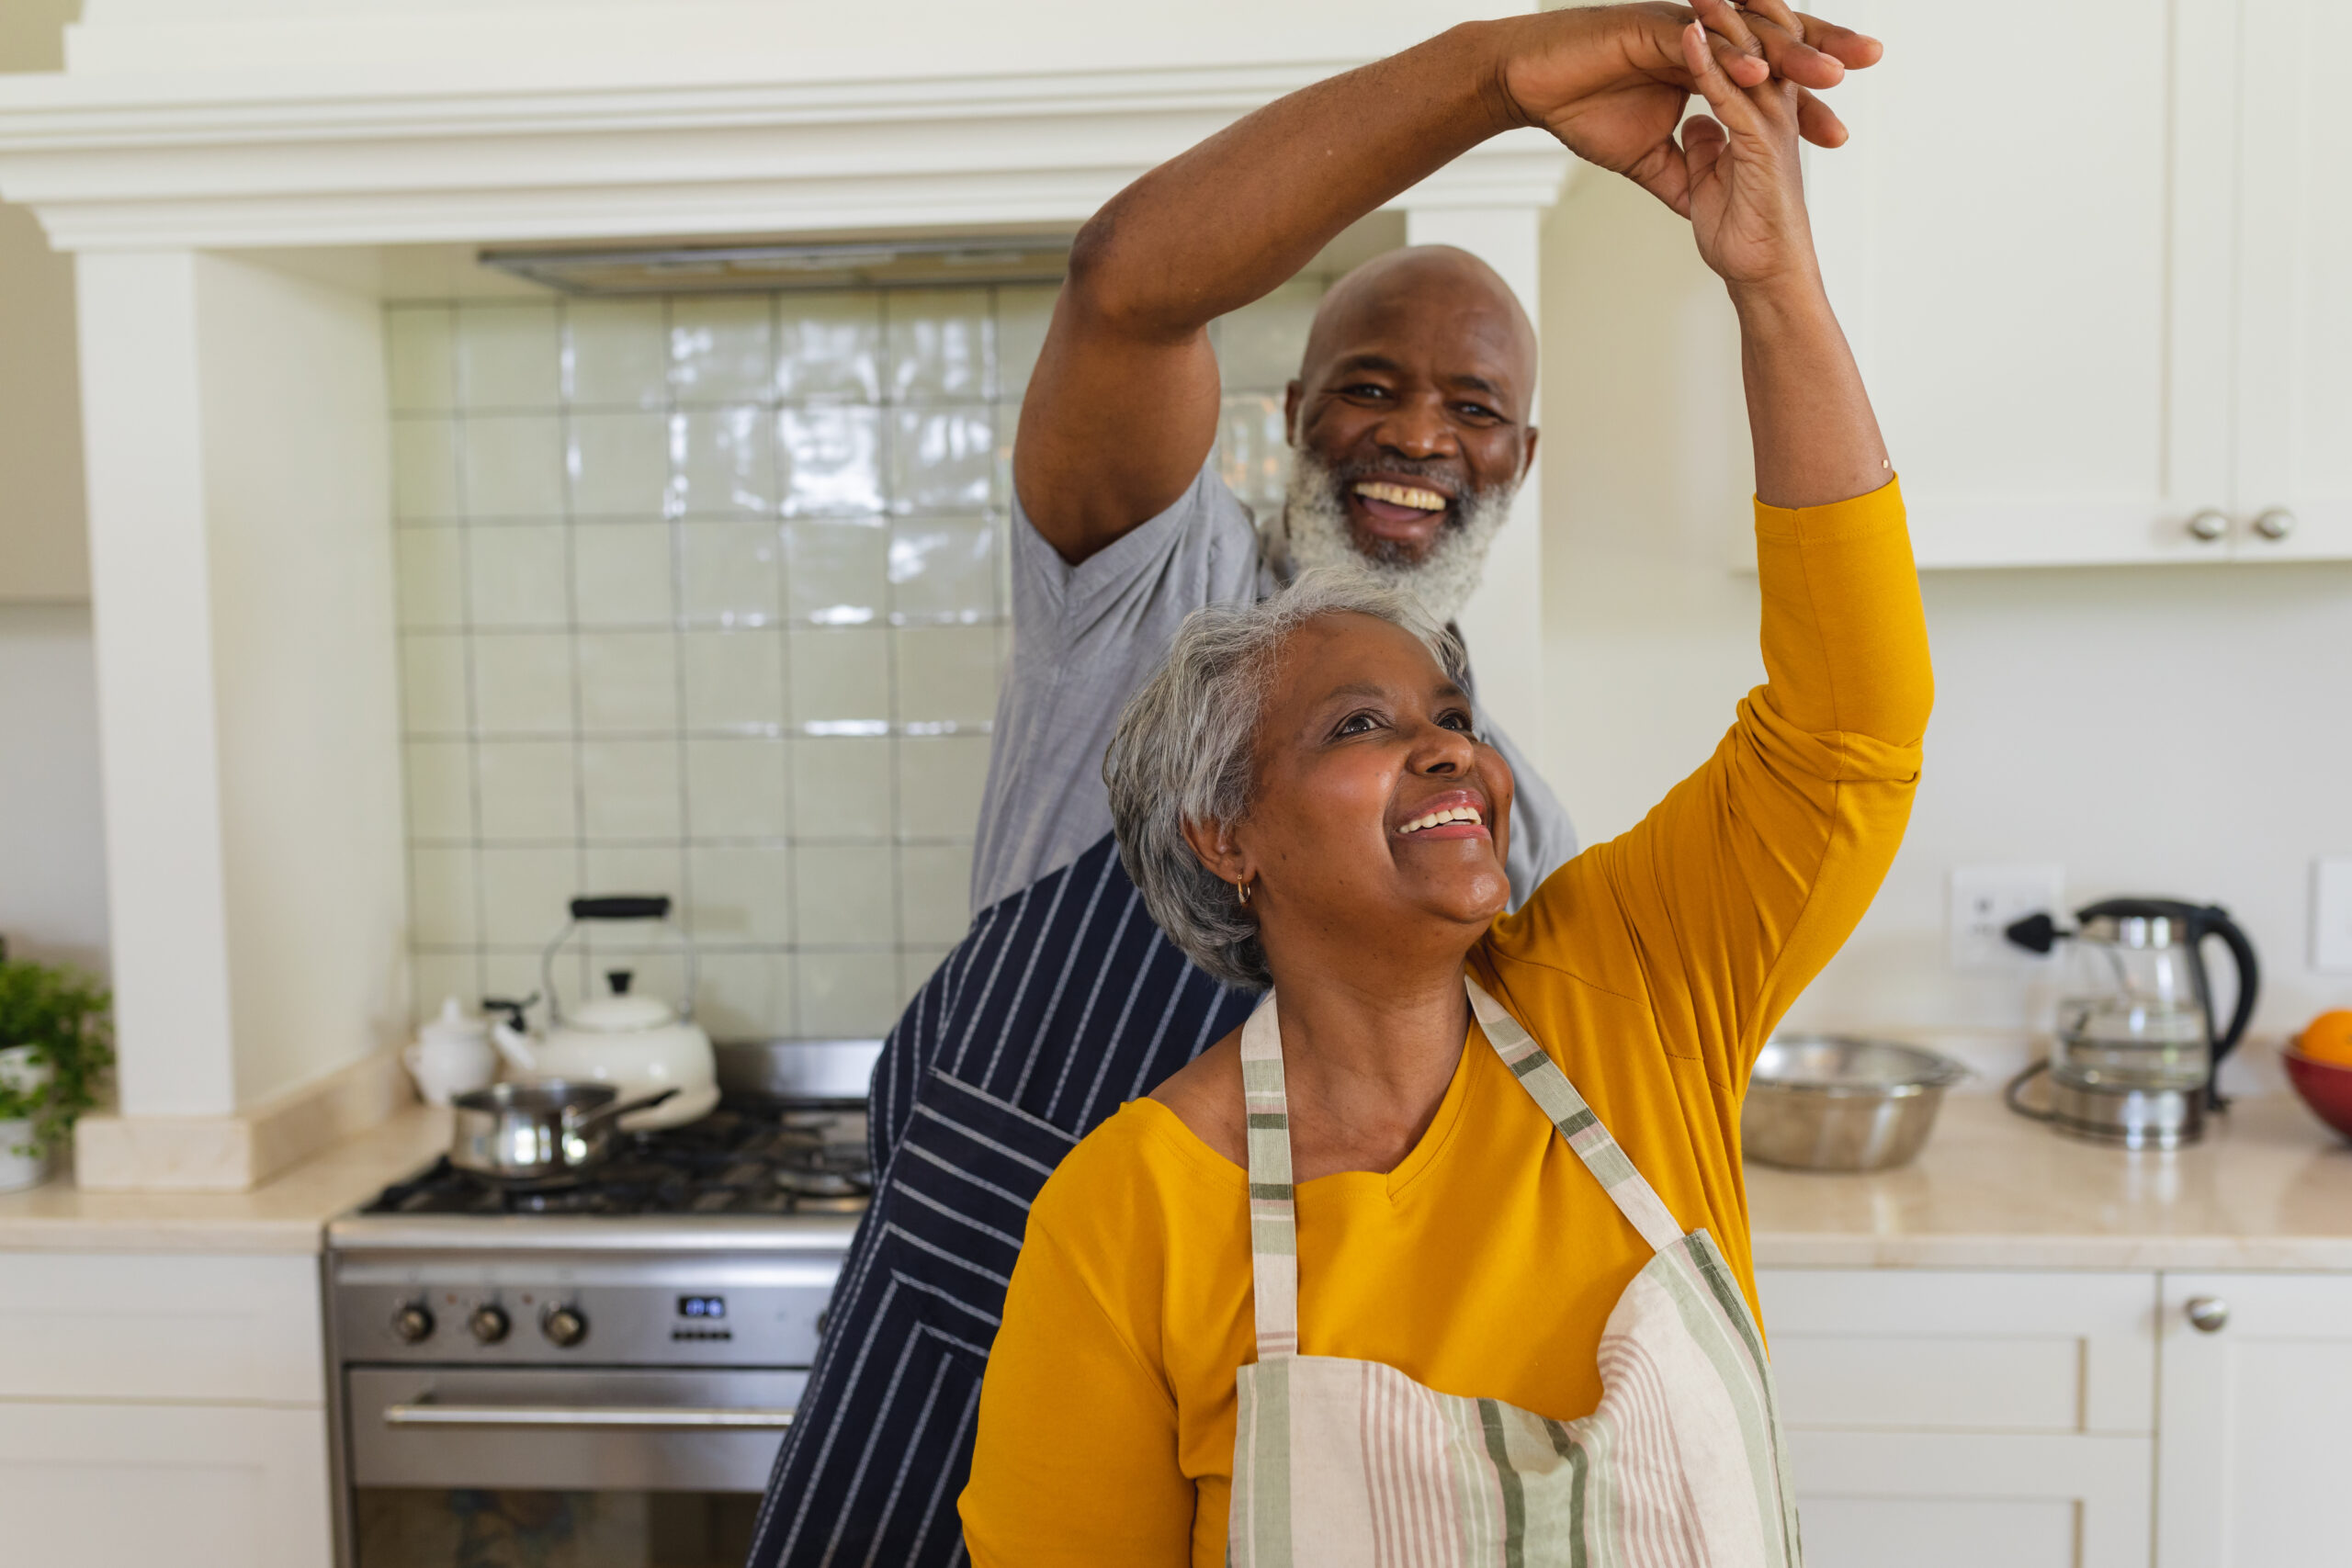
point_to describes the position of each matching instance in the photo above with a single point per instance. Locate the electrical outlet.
(2332, 914)
(1985, 899)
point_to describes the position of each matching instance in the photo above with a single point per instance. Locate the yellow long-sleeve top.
(1651, 968)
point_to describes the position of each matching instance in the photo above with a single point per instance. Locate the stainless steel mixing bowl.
(1837, 1102)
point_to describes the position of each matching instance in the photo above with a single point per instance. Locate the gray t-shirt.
(1085, 637)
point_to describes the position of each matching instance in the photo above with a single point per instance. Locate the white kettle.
(634, 1041)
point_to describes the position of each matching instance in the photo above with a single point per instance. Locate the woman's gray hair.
(1185, 743)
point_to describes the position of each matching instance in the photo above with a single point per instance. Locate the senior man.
(1410, 427)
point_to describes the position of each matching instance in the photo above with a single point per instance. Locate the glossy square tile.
(840, 788)
(430, 564)
(441, 907)
(940, 342)
(848, 995)
(741, 896)
(943, 459)
(1253, 452)
(420, 351)
(729, 572)
(837, 569)
(509, 356)
(522, 682)
(1257, 347)
(618, 465)
(1022, 316)
(725, 462)
(617, 353)
(829, 460)
(934, 893)
(520, 576)
(425, 469)
(631, 789)
(529, 791)
(944, 568)
(621, 574)
(514, 972)
(735, 789)
(433, 684)
(947, 676)
(526, 893)
(629, 682)
(941, 778)
(841, 680)
(734, 680)
(513, 466)
(433, 976)
(830, 347)
(440, 788)
(845, 895)
(723, 348)
(636, 868)
(916, 966)
(745, 996)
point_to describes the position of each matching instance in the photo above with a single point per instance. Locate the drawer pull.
(2208, 1314)
(621, 1418)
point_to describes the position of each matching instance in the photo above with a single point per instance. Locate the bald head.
(1427, 293)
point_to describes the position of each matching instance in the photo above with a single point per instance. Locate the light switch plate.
(1985, 899)
(2332, 914)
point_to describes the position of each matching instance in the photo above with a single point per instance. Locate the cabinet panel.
(2294, 235)
(1962, 1350)
(2257, 1422)
(1871, 1499)
(2009, 284)
(102, 1485)
(104, 1325)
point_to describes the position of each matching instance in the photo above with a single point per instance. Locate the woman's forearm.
(1817, 440)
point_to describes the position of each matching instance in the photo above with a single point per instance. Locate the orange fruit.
(2328, 1038)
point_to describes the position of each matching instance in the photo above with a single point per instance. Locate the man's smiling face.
(1413, 399)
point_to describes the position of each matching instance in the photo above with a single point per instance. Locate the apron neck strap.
(1273, 1210)
(1542, 1078)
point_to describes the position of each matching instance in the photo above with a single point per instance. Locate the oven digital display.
(702, 1306)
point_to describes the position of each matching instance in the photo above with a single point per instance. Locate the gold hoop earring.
(1243, 889)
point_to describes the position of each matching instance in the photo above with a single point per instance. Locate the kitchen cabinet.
(1965, 1417)
(2100, 326)
(166, 1409)
(2257, 1420)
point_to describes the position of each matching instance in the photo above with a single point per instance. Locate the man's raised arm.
(1123, 407)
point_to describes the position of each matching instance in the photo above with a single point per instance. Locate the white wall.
(2167, 730)
(53, 864)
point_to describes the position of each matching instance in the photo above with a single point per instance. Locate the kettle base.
(2127, 1118)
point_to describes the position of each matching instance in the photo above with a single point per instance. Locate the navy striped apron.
(1063, 1002)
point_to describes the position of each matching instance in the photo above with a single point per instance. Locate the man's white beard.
(1315, 522)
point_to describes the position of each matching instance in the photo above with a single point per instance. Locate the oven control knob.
(412, 1322)
(489, 1323)
(564, 1326)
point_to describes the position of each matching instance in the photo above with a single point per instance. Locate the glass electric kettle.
(2137, 1047)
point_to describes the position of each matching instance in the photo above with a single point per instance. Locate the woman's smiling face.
(1377, 817)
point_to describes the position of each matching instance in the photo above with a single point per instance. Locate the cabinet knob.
(2275, 524)
(2208, 1314)
(2209, 526)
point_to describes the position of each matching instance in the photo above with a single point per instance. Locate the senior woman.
(1444, 1257)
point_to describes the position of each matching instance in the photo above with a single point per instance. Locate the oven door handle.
(427, 1412)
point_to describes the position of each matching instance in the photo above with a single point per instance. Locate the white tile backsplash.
(704, 596)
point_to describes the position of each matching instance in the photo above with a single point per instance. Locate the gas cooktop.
(744, 1159)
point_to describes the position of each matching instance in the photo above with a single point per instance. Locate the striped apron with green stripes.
(1351, 1462)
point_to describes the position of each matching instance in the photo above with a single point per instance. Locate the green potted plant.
(55, 1046)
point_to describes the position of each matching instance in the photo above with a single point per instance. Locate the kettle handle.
(2213, 921)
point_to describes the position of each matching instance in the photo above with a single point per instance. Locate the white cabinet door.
(2031, 249)
(2294, 365)
(1939, 1500)
(189, 1485)
(2255, 1423)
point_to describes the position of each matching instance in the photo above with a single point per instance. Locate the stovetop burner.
(742, 1158)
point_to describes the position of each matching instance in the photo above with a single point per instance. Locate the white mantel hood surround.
(234, 422)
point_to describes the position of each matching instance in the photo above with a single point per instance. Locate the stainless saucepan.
(538, 1135)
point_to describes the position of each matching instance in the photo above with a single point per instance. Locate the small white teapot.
(451, 1055)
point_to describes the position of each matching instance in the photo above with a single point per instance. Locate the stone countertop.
(2268, 1188)
(285, 1215)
